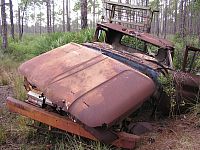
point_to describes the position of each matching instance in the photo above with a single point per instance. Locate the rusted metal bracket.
(124, 140)
(137, 17)
(185, 60)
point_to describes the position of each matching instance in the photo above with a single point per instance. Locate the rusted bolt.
(131, 32)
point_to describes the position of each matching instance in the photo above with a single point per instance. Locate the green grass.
(33, 45)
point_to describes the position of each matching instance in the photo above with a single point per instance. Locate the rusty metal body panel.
(90, 86)
(115, 33)
(137, 17)
(140, 35)
(188, 80)
(123, 139)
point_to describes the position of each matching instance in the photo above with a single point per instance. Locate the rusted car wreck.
(89, 89)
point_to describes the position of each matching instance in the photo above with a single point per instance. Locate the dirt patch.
(177, 134)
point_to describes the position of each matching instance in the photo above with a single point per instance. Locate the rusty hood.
(92, 87)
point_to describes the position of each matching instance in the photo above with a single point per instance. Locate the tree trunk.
(165, 23)
(147, 2)
(120, 12)
(11, 20)
(4, 25)
(67, 13)
(157, 19)
(48, 16)
(19, 21)
(84, 14)
(40, 20)
(199, 27)
(94, 13)
(63, 15)
(40, 25)
(77, 21)
(191, 17)
(53, 25)
(184, 19)
(127, 12)
(0, 27)
(175, 16)
(34, 19)
(22, 20)
(181, 29)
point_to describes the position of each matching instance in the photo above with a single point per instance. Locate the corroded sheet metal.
(137, 57)
(94, 88)
(47, 117)
(163, 43)
(110, 101)
(58, 61)
(187, 86)
(123, 140)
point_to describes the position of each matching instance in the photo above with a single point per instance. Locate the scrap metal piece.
(137, 17)
(186, 55)
(123, 140)
(141, 128)
(38, 99)
(148, 38)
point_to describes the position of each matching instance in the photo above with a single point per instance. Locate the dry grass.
(9, 76)
(17, 84)
(182, 133)
(4, 80)
(2, 135)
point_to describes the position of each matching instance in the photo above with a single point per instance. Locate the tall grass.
(33, 45)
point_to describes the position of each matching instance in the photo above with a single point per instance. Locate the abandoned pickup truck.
(90, 89)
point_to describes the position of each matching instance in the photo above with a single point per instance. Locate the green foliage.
(133, 42)
(90, 4)
(180, 45)
(167, 83)
(33, 45)
(77, 6)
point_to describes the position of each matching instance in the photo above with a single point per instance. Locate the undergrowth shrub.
(167, 83)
